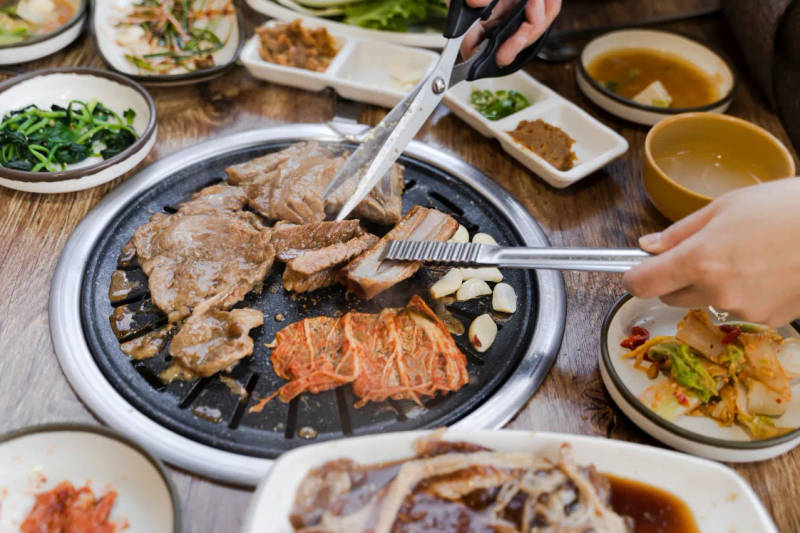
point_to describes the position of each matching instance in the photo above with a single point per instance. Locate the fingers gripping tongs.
(382, 146)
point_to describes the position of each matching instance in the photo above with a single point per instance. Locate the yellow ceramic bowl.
(728, 137)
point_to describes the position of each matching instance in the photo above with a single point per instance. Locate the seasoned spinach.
(41, 140)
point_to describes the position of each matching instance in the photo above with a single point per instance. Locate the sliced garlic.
(482, 332)
(484, 238)
(461, 235)
(447, 284)
(504, 299)
(492, 274)
(472, 288)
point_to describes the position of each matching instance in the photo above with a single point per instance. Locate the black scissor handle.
(485, 66)
(461, 17)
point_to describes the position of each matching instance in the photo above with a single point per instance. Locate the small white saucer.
(700, 55)
(36, 459)
(691, 434)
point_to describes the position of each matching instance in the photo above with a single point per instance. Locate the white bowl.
(59, 86)
(595, 146)
(104, 12)
(50, 43)
(698, 54)
(36, 459)
(697, 435)
(720, 500)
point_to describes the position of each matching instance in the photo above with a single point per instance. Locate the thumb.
(658, 243)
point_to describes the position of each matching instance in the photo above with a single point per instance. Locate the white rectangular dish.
(595, 146)
(720, 500)
(365, 70)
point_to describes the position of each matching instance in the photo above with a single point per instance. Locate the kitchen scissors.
(381, 146)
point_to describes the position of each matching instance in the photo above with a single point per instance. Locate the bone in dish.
(734, 373)
(175, 37)
(21, 20)
(454, 487)
(67, 509)
(403, 354)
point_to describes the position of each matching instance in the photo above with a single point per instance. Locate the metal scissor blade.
(384, 144)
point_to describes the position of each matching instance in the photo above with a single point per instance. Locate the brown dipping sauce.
(652, 509)
(546, 140)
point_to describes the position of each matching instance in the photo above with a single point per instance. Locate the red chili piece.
(638, 336)
(731, 333)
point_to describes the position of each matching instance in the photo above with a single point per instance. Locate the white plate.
(703, 57)
(427, 38)
(595, 146)
(364, 69)
(104, 14)
(59, 86)
(37, 459)
(721, 501)
(50, 43)
(692, 434)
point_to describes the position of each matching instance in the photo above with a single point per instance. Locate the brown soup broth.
(652, 509)
(627, 72)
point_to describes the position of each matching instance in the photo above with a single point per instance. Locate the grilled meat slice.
(367, 276)
(291, 241)
(400, 353)
(318, 268)
(288, 185)
(191, 258)
(215, 198)
(212, 340)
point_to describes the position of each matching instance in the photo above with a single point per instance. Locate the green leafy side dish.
(40, 140)
(386, 15)
(498, 104)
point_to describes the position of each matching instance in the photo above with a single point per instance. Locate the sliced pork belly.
(288, 185)
(367, 275)
(291, 241)
(319, 268)
(191, 258)
(212, 340)
(214, 199)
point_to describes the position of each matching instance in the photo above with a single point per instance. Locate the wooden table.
(606, 209)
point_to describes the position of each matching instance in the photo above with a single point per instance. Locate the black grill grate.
(209, 412)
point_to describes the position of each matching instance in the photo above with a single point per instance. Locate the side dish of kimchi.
(735, 373)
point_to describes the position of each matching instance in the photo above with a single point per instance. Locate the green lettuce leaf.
(393, 15)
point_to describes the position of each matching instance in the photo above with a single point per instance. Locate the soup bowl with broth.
(692, 158)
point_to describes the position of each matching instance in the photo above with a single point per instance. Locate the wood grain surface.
(607, 209)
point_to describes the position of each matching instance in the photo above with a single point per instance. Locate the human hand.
(539, 15)
(741, 253)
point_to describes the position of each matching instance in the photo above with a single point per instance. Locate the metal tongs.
(472, 254)
(381, 147)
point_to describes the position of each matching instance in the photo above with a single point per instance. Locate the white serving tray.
(595, 146)
(365, 70)
(720, 500)
(424, 37)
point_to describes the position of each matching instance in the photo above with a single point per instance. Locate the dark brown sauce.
(653, 510)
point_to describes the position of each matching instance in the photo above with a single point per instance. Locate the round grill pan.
(206, 413)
